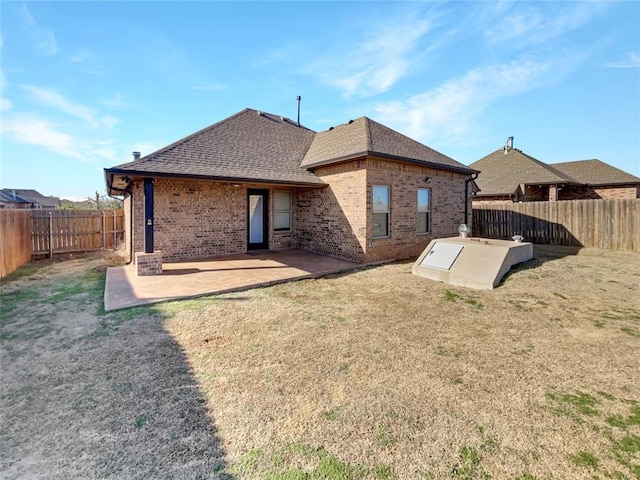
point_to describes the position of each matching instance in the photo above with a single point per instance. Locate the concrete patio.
(216, 275)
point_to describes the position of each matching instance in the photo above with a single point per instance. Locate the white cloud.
(537, 23)
(5, 104)
(450, 110)
(33, 130)
(376, 64)
(43, 39)
(53, 99)
(631, 60)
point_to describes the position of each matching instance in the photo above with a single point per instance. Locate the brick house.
(360, 191)
(27, 199)
(510, 175)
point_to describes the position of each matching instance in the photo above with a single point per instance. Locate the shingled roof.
(32, 197)
(265, 148)
(502, 173)
(248, 146)
(363, 136)
(595, 172)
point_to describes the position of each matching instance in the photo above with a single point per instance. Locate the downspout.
(471, 178)
(130, 192)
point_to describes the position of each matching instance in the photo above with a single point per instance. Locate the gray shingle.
(248, 145)
(261, 147)
(364, 136)
(501, 172)
(595, 172)
(21, 195)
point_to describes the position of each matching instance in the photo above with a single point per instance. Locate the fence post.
(50, 234)
(113, 226)
(104, 228)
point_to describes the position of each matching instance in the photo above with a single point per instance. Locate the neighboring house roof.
(595, 172)
(33, 197)
(261, 147)
(364, 136)
(502, 173)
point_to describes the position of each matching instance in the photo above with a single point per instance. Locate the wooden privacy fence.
(613, 224)
(15, 240)
(67, 231)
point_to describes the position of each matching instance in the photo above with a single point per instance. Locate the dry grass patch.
(392, 376)
(85, 394)
(374, 374)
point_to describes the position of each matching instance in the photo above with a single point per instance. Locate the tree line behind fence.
(613, 224)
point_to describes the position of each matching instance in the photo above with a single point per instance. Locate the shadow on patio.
(216, 275)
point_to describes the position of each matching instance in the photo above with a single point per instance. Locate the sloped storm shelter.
(471, 262)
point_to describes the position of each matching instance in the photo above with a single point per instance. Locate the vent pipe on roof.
(299, 98)
(509, 145)
(136, 155)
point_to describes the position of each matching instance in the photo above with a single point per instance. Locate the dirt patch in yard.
(372, 374)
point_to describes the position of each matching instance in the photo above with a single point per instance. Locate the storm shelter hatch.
(470, 262)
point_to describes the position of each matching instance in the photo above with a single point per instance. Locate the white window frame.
(375, 211)
(421, 210)
(288, 211)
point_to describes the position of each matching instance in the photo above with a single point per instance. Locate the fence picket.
(75, 230)
(613, 224)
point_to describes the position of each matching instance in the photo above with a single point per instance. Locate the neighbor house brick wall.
(623, 192)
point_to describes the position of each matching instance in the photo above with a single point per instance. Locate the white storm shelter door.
(257, 220)
(442, 256)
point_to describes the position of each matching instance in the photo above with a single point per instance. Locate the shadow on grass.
(99, 395)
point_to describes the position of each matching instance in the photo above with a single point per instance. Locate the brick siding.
(199, 218)
(148, 263)
(447, 207)
(624, 192)
(571, 192)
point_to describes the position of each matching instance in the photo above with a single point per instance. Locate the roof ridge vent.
(259, 113)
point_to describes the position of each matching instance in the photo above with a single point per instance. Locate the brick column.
(148, 263)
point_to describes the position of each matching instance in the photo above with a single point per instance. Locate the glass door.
(257, 228)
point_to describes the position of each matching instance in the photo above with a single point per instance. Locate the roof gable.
(502, 172)
(249, 145)
(595, 172)
(364, 136)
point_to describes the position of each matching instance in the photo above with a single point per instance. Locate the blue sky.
(83, 84)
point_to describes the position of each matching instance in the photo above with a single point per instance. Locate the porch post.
(148, 215)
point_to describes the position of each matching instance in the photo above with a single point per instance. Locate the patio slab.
(217, 275)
